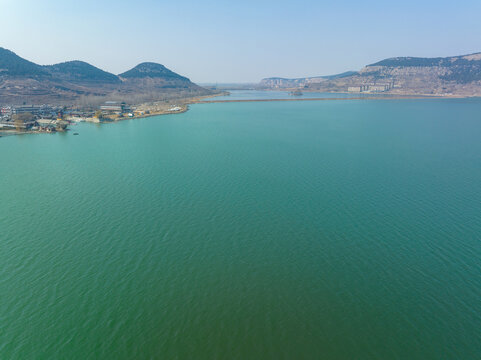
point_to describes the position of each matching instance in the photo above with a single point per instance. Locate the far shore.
(202, 100)
(387, 93)
(293, 99)
(373, 97)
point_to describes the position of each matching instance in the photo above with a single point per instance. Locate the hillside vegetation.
(22, 81)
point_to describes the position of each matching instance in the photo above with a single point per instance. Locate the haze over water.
(283, 230)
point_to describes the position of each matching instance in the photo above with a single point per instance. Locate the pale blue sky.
(241, 41)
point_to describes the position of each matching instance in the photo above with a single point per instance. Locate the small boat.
(296, 93)
(75, 133)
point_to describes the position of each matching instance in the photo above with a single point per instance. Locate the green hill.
(12, 65)
(151, 70)
(81, 71)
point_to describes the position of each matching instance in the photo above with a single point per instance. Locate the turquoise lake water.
(274, 94)
(276, 230)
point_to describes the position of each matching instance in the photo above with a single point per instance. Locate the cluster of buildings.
(38, 110)
(46, 118)
(114, 107)
(113, 110)
(31, 117)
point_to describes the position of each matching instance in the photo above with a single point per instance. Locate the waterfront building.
(18, 123)
(114, 107)
(26, 109)
(371, 87)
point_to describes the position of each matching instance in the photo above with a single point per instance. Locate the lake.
(273, 230)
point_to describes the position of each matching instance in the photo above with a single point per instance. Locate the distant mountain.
(156, 78)
(460, 69)
(82, 72)
(284, 82)
(456, 75)
(22, 81)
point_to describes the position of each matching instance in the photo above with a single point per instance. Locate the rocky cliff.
(457, 75)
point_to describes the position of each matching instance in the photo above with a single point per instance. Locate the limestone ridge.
(456, 75)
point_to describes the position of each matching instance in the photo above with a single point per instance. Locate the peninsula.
(47, 97)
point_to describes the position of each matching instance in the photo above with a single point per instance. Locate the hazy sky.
(238, 41)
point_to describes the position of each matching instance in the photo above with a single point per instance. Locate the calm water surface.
(295, 230)
(258, 94)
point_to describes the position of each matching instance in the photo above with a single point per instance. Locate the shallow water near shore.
(282, 230)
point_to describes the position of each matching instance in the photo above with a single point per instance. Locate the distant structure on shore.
(369, 88)
(114, 107)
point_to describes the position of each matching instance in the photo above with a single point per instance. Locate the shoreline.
(387, 94)
(184, 105)
(200, 100)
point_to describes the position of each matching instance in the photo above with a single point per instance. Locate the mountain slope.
(460, 69)
(157, 78)
(456, 75)
(22, 81)
(13, 65)
(283, 82)
(80, 71)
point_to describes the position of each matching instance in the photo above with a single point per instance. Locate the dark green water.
(297, 230)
